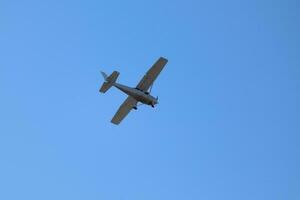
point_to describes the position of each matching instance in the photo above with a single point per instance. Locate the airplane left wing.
(124, 109)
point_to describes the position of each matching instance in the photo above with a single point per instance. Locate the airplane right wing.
(124, 109)
(152, 74)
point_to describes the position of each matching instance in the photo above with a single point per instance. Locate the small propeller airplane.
(140, 93)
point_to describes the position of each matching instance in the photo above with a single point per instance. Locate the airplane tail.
(109, 81)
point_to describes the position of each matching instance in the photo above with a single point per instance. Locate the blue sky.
(227, 126)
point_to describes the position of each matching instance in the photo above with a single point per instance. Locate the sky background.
(228, 122)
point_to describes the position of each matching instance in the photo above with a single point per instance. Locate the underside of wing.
(124, 109)
(152, 74)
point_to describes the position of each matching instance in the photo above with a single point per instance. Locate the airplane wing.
(152, 74)
(124, 109)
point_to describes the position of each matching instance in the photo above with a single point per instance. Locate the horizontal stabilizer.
(113, 77)
(105, 86)
(109, 81)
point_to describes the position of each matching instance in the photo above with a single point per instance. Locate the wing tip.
(115, 122)
(163, 59)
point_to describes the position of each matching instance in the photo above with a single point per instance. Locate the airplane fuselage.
(137, 94)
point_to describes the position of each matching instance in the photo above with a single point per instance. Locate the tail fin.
(104, 75)
(109, 81)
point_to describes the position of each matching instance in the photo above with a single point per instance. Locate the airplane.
(140, 93)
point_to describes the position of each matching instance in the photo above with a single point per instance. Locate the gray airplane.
(140, 93)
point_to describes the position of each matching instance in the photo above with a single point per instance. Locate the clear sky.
(228, 122)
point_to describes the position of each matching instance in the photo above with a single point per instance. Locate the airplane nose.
(154, 101)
